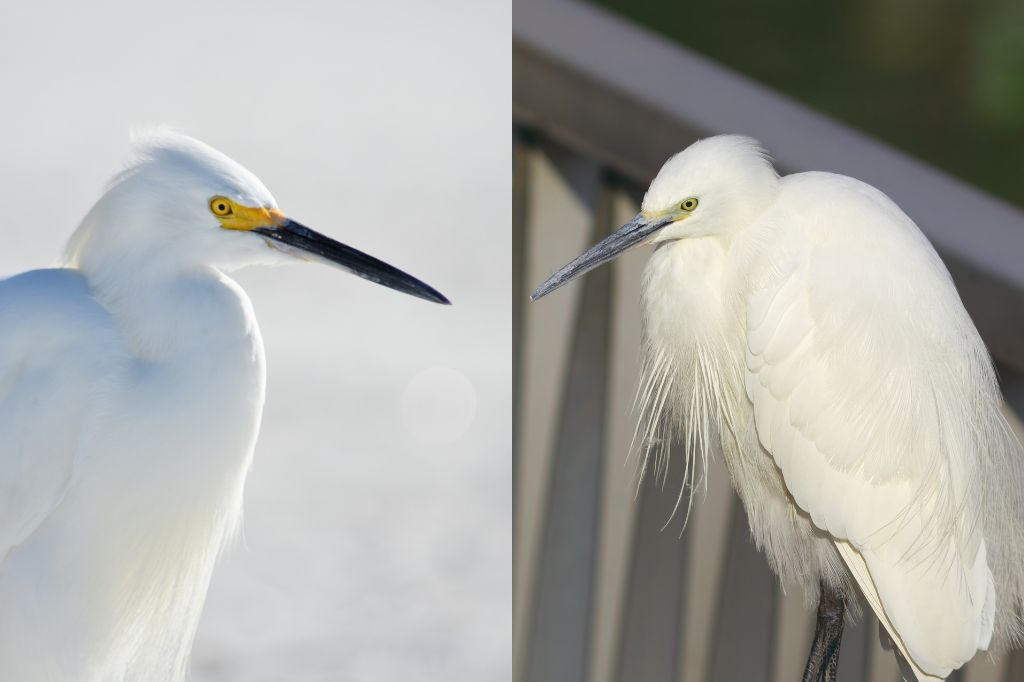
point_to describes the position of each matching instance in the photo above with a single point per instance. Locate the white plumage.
(131, 390)
(807, 327)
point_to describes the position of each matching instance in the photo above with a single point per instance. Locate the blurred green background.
(940, 79)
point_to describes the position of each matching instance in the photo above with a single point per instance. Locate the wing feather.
(871, 399)
(49, 325)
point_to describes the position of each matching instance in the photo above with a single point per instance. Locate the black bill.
(298, 236)
(630, 234)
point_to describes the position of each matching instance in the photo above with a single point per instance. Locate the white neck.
(164, 314)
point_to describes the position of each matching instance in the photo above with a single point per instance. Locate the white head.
(182, 205)
(713, 187)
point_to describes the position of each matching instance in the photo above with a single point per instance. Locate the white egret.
(806, 326)
(131, 391)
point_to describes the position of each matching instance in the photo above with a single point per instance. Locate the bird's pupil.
(221, 207)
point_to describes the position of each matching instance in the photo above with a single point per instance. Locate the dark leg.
(828, 635)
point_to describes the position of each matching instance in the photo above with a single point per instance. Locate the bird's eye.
(220, 207)
(688, 204)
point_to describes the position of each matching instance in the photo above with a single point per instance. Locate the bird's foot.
(823, 660)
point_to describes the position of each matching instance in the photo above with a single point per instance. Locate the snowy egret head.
(712, 187)
(183, 204)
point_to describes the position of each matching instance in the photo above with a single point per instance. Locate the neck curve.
(165, 314)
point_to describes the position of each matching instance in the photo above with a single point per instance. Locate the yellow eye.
(221, 207)
(688, 204)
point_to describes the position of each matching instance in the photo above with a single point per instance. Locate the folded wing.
(49, 380)
(874, 395)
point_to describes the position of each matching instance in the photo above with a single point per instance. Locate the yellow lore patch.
(235, 216)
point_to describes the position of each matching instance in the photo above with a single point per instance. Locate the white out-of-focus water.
(377, 540)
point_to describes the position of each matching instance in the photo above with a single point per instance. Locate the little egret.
(805, 326)
(131, 391)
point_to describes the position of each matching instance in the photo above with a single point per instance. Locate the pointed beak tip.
(429, 293)
(629, 235)
(554, 282)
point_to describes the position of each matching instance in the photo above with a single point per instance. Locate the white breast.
(692, 395)
(111, 584)
(689, 370)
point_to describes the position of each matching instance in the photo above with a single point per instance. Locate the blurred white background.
(378, 514)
